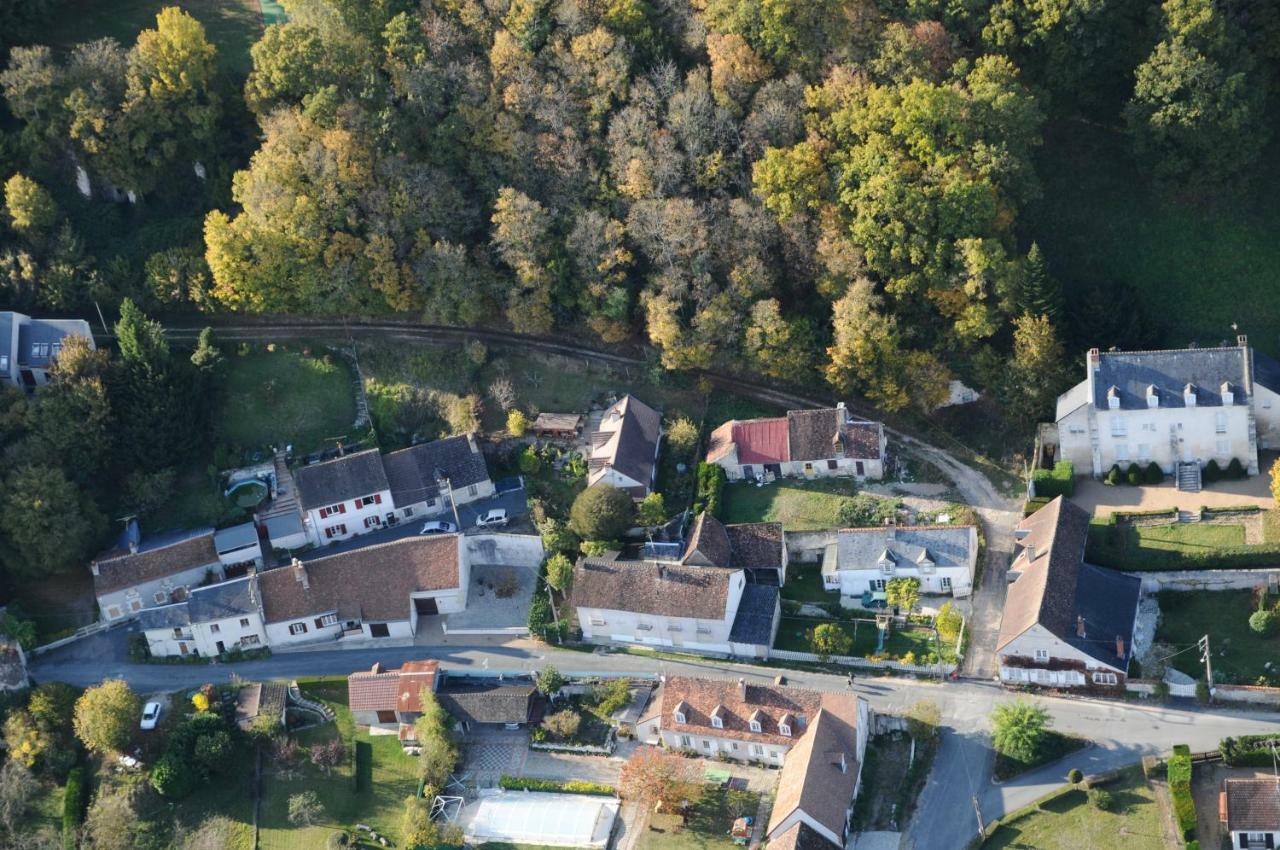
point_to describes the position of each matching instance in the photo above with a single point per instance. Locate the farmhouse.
(804, 443)
(720, 718)
(1178, 409)
(374, 592)
(864, 560)
(1066, 623)
(29, 347)
(759, 548)
(138, 574)
(624, 450)
(427, 479)
(343, 497)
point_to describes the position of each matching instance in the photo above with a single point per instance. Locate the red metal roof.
(762, 440)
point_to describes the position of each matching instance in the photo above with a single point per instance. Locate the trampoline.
(555, 820)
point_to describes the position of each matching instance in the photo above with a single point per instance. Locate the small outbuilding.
(558, 426)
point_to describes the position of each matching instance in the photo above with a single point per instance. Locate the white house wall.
(199, 638)
(127, 602)
(1038, 637)
(1266, 411)
(710, 746)
(439, 506)
(354, 519)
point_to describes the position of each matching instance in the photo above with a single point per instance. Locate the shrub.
(1235, 470)
(828, 639)
(1161, 691)
(948, 622)
(563, 724)
(517, 423)
(1211, 472)
(1059, 481)
(1202, 693)
(1102, 799)
(1262, 622)
(1154, 474)
(1114, 475)
(1074, 776)
(572, 786)
(682, 435)
(1248, 750)
(1134, 475)
(528, 461)
(710, 489)
(601, 512)
(653, 510)
(611, 696)
(1019, 729)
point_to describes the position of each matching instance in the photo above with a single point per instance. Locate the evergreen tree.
(156, 395)
(1041, 294)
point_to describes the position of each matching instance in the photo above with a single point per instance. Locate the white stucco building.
(1184, 406)
(803, 444)
(29, 347)
(624, 448)
(430, 478)
(144, 573)
(865, 560)
(344, 497)
(214, 620)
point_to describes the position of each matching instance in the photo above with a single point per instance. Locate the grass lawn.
(1238, 653)
(1070, 822)
(1186, 537)
(284, 397)
(793, 635)
(379, 801)
(707, 825)
(1056, 746)
(1099, 222)
(231, 25)
(804, 584)
(798, 505)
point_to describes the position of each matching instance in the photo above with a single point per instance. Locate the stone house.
(144, 573)
(624, 449)
(804, 444)
(429, 478)
(344, 497)
(213, 620)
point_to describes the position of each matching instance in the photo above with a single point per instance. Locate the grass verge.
(1056, 746)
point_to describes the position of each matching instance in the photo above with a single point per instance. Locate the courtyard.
(1102, 499)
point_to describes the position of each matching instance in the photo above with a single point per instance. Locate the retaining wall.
(807, 546)
(851, 661)
(1207, 579)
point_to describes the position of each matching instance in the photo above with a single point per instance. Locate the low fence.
(1251, 694)
(1207, 579)
(851, 661)
(580, 749)
(78, 634)
(1148, 687)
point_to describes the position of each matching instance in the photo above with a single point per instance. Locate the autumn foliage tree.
(662, 780)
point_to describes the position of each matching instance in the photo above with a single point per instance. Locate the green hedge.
(74, 798)
(1184, 806)
(711, 480)
(1248, 750)
(1108, 554)
(572, 786)
(1034, 504)
(1059, 481)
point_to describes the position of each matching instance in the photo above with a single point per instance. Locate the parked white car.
(438, 527)
(493, 518)
(150, 715)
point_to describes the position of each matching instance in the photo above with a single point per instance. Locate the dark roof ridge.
(1177, 350)
(933, 526)
(417, 538)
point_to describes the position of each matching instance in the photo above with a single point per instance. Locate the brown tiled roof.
(1253, 805)
(369, 691)
(739, 702)
(116, 569)
(756, 545)
(414, 676)
(813, 435)
(720, 443)
(644, 588)
(800, 836)
(1056, 534)
(811, 778)
(708, 544)
(372, 583)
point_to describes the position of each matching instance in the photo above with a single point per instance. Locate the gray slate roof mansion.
(29, 346)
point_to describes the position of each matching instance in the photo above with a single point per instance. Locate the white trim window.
(1042, 655)
(717, 722)
(685, 742)
(1104, 678)
(755, 726)
(297, 628)
(681, 718)
(944, 582)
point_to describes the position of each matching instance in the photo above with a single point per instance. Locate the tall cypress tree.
(155, 395)
(1041, 293)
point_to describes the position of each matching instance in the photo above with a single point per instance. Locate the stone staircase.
(1187, 476)
(296, 698)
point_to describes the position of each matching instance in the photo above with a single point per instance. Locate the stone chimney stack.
(300, 574)
(1119, 647)
(1079, 627)
(742, 689)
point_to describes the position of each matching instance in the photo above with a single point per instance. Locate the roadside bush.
(1059, 481)
(1134, 475)
(1114, 475)
(1202, 693)
(1211, 472)
(1235, 470)
(1262, 623)
(1102, 799)
(1154, 474)
(1160, 692)
(1074, 776)
(1248, 750)
(710, 490)
(572, 786)
(1179, 775)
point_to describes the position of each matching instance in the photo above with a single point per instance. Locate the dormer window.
(1153, 396)
(924, 562)
(1228, 397)
(1189, 395)
(754, 721)
(886, 562)
(1113, 398)
(681, 713)
(784, 725)
(755, 726)
(717, 717)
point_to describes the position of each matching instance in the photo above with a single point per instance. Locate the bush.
(1262, 622)
(1154, 474)
(1019, 729)
(1102, 800)
(517, 423)
(710, 490)
(572, 786)
(1059, 481)
(1235, 470)
(1161, 691)
(601, 512)
(1211, 472)
(563, 724)
(1134, 475)
(1184, 812)
(1248, 750)
(864, 511)
(528, 461)
(611, 696)
(1074, 776)
(1202, 693)
(1114, 475)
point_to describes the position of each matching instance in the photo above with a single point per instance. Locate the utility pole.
(1205, 656)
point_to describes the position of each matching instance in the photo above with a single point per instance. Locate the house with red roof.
(803, 444)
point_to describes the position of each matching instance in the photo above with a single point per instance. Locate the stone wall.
(1207, 579)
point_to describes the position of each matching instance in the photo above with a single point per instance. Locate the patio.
(1102, 500)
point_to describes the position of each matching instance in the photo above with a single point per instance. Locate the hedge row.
(1135, 474)
(1184, 806)
(572, 786)
(1248, 750)
(711, 480)
(1108, 554)
(74, 798)
(1059, 481)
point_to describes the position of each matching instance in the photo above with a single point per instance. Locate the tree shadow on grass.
(1065, 803)
(364, 766)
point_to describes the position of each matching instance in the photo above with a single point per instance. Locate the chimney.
(300, 574)
(1242, 341)
(376, 668)
(1079, 627)
(742, 689)
(1119, 647)
(1095, 359)
(1031, 552)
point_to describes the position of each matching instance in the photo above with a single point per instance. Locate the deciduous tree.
(106, 715)
(661, 780)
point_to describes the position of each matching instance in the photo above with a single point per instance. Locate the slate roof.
(50, 331)
(862, 548)
(811, 778)
(206, 604)
(1252, 805)
(235, 537)
(632, 446)
(486, 701)
(1131, 372)
(740, 702)
(813, 434)
(756, 545)
(157, 557)
(411, 472)
(757, 611)
(283, 525)
(668, 590)
(347, 477)
(800, 836)
(371, 583)
(1072, 399)
(1057, 587)
(1266, 371)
